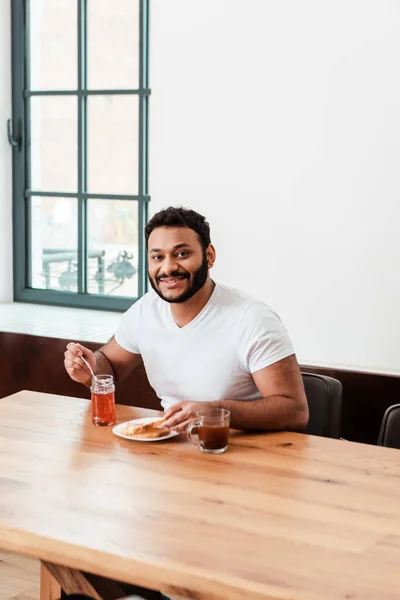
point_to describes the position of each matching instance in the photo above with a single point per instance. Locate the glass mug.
(103, 400)
(212, 429)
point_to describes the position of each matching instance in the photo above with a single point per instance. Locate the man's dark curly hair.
(180, 217)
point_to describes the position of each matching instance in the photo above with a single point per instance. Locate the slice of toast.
(152, 434)
(148, 434)
(134, 430)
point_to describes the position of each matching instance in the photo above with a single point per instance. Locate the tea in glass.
(212, 428)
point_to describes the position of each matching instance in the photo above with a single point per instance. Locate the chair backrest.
(389, 434)
(324, 396)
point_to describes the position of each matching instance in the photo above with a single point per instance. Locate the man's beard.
(198, 281)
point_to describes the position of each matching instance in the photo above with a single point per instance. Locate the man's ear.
(211, 256)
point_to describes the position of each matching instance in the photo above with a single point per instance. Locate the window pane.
(113, 44)
(113, 144)
(113, 247)
(54, 243)
(53, 44)
(54, 138)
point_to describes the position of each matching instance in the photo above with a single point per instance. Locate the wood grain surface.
(279, 516)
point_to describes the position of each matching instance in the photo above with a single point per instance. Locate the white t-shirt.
(211, 358)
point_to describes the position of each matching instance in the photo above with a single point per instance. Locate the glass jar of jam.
(103, 400)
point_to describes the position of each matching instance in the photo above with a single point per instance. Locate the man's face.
(177, 263)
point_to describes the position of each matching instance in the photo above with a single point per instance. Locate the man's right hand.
(74, 364)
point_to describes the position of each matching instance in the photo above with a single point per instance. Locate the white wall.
(280, 121)
(6, 279)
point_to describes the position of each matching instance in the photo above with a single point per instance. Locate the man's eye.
(183, 253)
(156, 257)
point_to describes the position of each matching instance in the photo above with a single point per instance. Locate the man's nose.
(170, 265)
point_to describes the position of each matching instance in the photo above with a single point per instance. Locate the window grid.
(22, 189)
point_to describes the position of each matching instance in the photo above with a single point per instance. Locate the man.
(201, 342)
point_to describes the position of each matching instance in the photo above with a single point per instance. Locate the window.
(79, 136)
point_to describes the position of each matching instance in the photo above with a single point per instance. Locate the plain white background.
(279, 121)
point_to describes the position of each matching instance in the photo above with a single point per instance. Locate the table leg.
(50, 589)
(72, 581)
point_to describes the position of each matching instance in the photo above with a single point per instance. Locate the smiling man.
(200, 341)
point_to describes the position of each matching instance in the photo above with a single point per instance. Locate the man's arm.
(283, 405)
(111, 359)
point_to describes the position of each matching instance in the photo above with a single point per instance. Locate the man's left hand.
(179, 416)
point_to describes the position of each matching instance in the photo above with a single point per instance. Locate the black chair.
(389, 434)
(324, 396)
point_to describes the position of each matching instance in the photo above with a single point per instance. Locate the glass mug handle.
(190, 432)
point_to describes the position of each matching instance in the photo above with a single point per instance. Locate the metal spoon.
(90, 368)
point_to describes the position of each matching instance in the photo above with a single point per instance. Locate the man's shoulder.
(245, 303)
(231, 295)
(250, 314)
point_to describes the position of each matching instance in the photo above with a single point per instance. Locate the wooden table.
(279, 516)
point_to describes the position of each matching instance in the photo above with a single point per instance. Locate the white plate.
(117, 430)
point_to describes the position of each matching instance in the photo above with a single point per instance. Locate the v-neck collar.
(198, 317)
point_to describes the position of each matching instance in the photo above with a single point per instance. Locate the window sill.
(59, 322)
